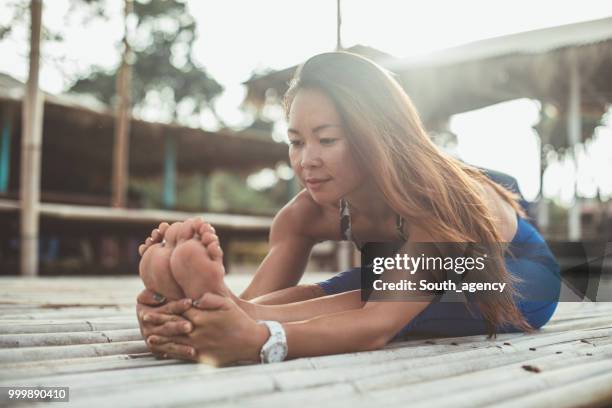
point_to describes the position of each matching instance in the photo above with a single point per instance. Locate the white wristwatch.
(274, 349)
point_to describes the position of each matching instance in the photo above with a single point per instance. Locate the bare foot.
(197, 261)
(154, 266)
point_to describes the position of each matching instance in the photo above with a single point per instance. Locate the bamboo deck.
(83, 333)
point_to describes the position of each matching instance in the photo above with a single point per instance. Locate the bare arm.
(368, 328)
(291, 240)
(360, 326)
(305, 309)
(223, 333)
(290, 295)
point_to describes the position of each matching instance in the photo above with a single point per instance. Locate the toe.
(215, 251)
(141, 249)
(187, 231)
(171, 233)
(208, 238)
(206, 227)
(163, 227)
(156, 235)
(197, 223)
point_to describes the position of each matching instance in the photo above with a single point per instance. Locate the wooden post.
(543, 213)
(344, 256)
(574, 130)
(204, 191)
(30, 150)
(338, 26)
(170, 172)
(122, 121)
(5, 150)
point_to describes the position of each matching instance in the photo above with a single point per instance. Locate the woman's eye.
(295, 142)
(328, 140)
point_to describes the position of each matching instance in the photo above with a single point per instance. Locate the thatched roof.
(80, 132)
(531, 64)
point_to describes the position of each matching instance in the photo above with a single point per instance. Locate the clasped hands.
(212, 329)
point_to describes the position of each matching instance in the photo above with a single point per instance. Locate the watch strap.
(277, 337)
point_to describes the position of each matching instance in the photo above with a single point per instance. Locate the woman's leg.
(154, 266)
(538, 291)
(342, 282)
(339, 283)
(539, 288)
(199, 262)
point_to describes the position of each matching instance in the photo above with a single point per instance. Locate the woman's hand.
(155, 316)
(222, 334)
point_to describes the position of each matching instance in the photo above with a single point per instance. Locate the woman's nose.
(311, 157)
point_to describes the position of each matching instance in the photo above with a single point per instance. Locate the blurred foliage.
(20, 15)
(162, 37)
(162, 62)
(221, 191)
(20, 11)
(230, 193)
(552, 126)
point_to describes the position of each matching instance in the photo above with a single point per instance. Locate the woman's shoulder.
(303, 216)
(501, 210)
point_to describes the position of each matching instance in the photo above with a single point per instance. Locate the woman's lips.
(316, 183)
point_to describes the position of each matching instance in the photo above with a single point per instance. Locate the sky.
(236, 37)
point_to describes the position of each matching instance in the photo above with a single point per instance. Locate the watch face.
(277, 352)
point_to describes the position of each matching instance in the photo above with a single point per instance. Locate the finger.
(212, 301)
(163, 355)
(196, 317)
(158, 340)
(174, 350)
(170, 329)
(176, 307)
(150, 298)
(159, 318)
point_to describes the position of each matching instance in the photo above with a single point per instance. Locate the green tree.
(162, 61)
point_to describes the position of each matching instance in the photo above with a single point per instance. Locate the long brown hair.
(418, 181)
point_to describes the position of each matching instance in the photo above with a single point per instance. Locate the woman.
(370, 174)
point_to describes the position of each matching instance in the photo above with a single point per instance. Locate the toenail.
(163, 242)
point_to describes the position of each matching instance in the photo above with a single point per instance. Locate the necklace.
(346, 228)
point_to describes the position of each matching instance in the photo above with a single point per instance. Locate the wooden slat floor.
(83, 333)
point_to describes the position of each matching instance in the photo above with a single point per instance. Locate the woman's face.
(319, 150)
